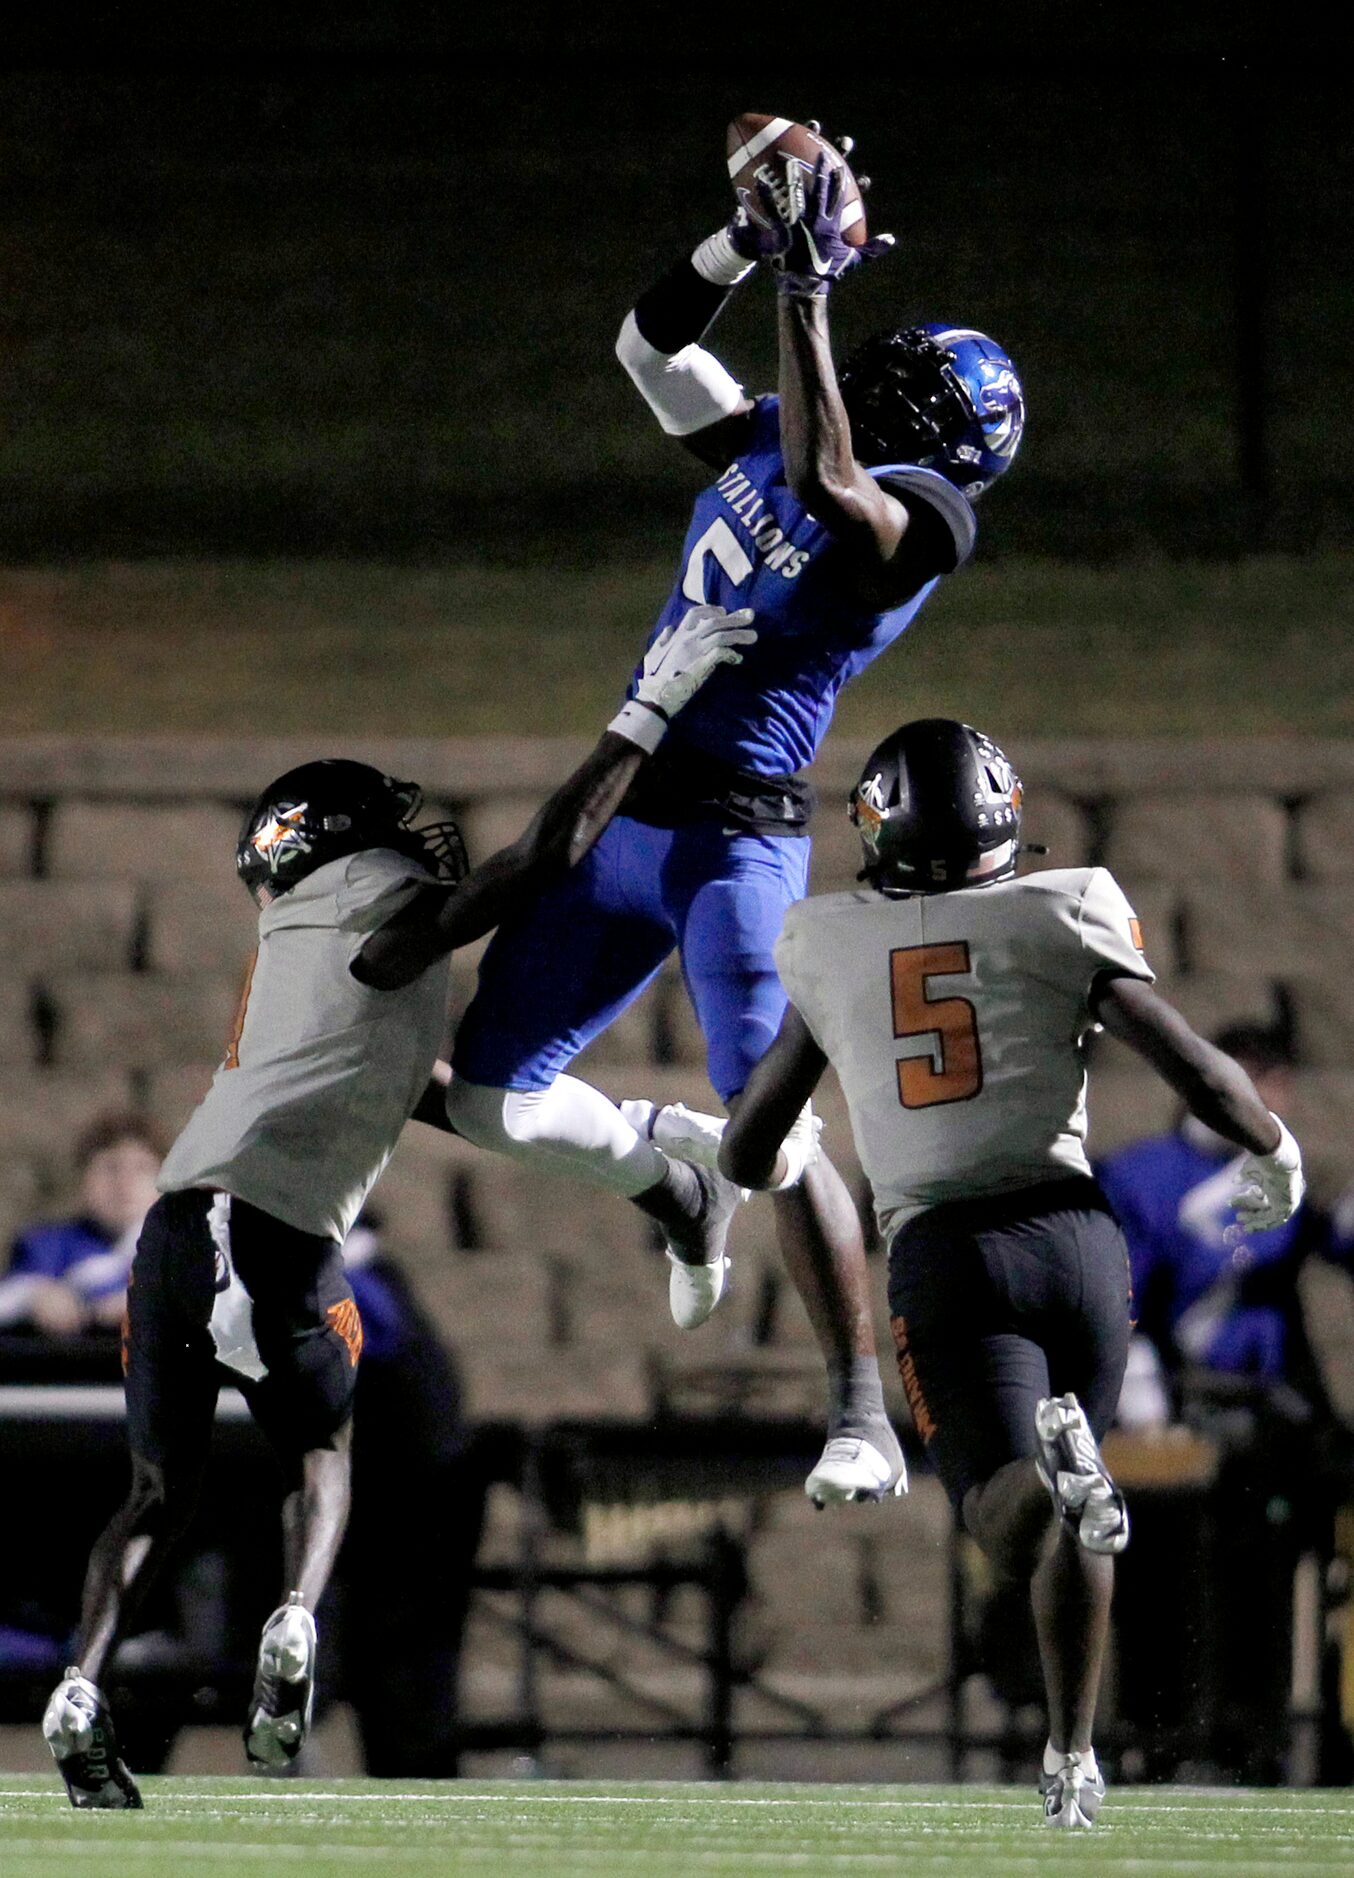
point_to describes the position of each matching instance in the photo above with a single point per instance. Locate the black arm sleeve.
(678, 309)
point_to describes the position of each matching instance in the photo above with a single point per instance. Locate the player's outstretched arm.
(676, 665)
(1214, 1088)
(897, 545)
(770, 1105)
(815, 434)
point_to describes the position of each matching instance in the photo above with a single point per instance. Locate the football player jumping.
(238, 1273)
(834, 514)
(954, 1003)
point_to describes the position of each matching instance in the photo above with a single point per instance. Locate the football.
(755, 140)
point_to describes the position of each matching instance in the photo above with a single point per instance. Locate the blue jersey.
(1232, 1307)
(752, 543)
(77, 1252)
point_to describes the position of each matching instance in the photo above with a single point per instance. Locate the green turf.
(579, 1830)
(1025, 648)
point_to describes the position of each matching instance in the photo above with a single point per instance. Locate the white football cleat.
(284, 1687)
(699, 1265)
(688, 1134)
(852, 1468)
(1071, 1466)
(694, 1290)
(1072, 1795)
(79, 1730)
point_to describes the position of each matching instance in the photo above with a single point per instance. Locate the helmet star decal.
(281, 836)
(329, 809)
(867, 807)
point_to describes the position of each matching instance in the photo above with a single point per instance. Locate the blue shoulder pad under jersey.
(752, 543)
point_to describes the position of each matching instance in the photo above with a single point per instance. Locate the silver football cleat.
(1073, 1469)
(79, 1730)
(284, 1687)
(1072, 1795)
(694, 1290)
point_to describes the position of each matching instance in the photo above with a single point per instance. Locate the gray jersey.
(322, 1071)
(956, 1024)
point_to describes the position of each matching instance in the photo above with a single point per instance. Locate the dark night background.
(351, 287)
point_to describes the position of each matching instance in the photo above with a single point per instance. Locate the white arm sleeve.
(685, 390)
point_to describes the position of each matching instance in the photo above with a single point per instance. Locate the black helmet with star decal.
(937, 807)
(321, 811)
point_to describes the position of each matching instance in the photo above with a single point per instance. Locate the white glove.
(676, 665)
(1271, 1185)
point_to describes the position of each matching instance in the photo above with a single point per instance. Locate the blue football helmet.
(945, 397)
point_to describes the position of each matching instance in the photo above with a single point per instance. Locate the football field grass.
(546, 1829)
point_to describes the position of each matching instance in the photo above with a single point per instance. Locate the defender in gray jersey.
(954, 1002)
(238, 1274)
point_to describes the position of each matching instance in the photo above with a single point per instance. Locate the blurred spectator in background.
(1206, 1299)
(67, 1277)
(1222, 1345)
(70, 1275)
(413, 1529)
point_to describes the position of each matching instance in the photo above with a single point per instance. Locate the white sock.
(1053, 1761)
(569, 1127)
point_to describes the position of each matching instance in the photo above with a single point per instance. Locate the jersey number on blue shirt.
(720, 541)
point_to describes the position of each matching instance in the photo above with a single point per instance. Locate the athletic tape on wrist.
(1286, 1154)
(641, 724)
(719, 262)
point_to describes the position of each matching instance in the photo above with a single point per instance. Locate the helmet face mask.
(324, 810)
(445, 848)
(943, 397)
(937, 807)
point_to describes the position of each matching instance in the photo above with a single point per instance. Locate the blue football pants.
(558, 973)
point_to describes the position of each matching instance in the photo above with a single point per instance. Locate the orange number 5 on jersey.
(951, 1021)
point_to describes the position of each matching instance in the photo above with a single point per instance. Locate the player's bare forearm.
(815, 433)
(770, 1103)
(1212, 1086)
(558, 838)
(575, 816)
(677, 662)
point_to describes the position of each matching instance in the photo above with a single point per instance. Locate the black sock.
(677, 1199)
(855, 1395)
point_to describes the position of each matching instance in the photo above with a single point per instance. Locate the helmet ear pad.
(938, 807)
